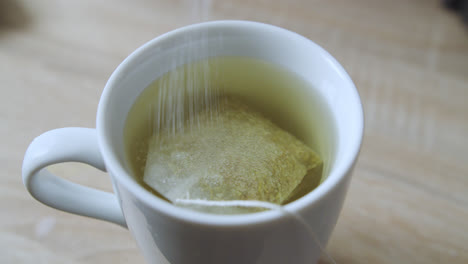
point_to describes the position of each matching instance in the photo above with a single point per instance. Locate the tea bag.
(237, 154)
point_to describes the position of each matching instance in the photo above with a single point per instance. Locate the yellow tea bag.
(232, 154)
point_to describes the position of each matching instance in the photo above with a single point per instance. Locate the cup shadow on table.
(13, 16)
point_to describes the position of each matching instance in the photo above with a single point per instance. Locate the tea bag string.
(258, 204)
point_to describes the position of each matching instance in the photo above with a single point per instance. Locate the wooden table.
(408, 201)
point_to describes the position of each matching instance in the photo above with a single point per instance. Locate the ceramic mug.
(169, 234)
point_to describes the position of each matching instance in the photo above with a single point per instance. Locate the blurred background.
(408, 201)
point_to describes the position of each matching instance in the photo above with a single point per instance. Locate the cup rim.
(118, 172)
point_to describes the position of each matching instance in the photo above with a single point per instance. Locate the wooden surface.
(408, 201)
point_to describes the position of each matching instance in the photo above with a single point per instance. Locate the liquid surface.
(281, 96)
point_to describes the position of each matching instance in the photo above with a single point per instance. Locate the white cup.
(169, 234)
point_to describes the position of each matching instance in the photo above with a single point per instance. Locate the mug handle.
(68, 145)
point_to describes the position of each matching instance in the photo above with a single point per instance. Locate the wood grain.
(408, 201)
